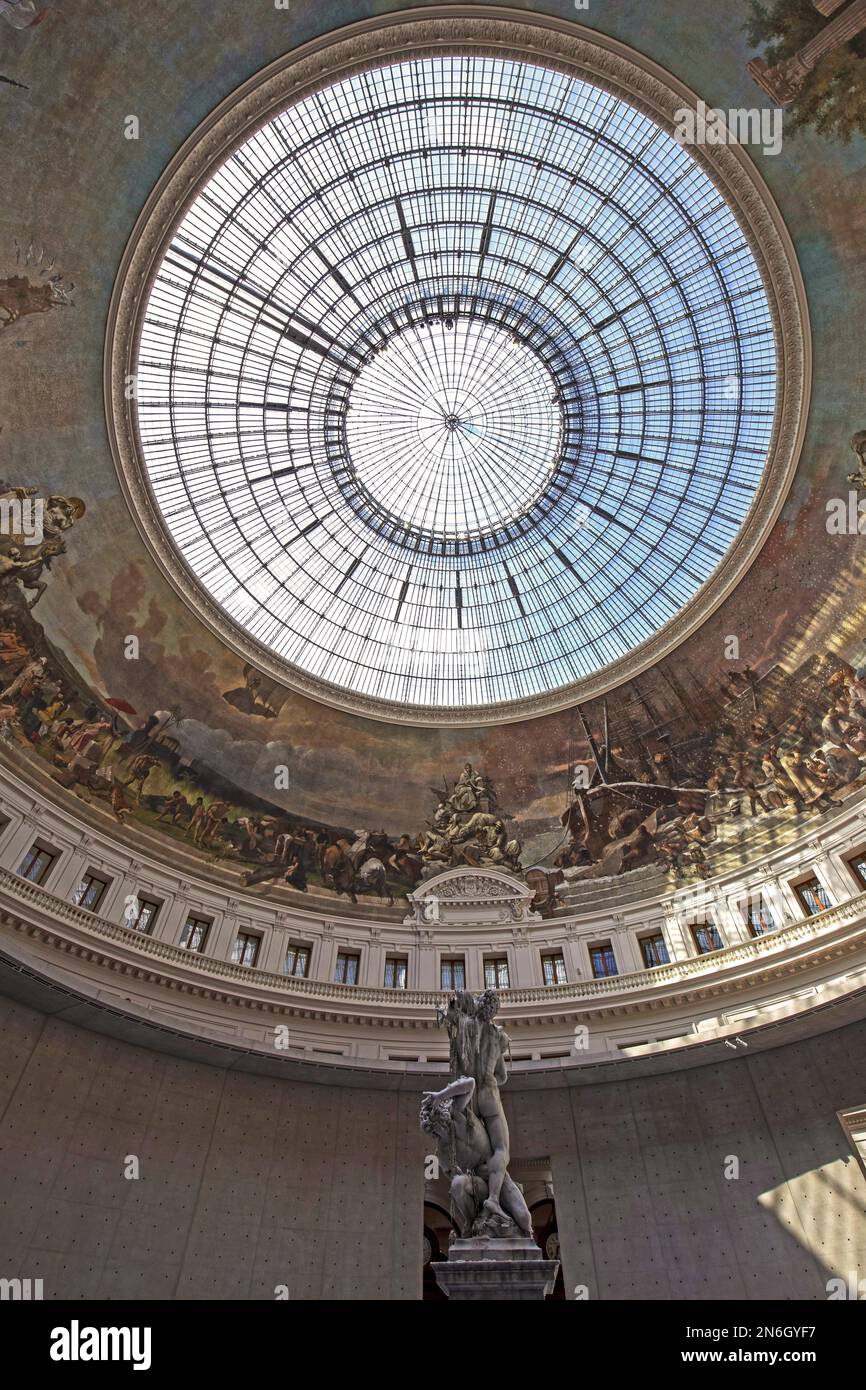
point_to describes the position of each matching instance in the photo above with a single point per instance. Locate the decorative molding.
(31, 911)
(471, 897)
(485, 30)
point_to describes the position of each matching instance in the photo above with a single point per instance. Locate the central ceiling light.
(454, 428)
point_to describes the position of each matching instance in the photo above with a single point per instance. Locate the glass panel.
(395, 974)
(457, 381)
(707, 938)
(603, 961)
(655, 951)
(814, 897)
(35, 864)
(760, 919)
(146, 915)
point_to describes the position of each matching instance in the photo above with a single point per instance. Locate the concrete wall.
(247, 1183)
(644, 1207)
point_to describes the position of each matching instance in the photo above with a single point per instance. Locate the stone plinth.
(483, 1268)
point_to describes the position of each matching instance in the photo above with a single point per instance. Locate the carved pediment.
(471, 897)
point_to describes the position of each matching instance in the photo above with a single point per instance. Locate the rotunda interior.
(433, 651)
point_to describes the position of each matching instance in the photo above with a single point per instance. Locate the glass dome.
(456, 382)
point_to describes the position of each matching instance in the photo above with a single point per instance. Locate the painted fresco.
(113, 689)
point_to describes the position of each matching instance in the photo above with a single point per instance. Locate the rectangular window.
(297, 961)
(654, 950)
(89, 892)
(553, 968)
(396, 968)
(706, 938)
(144, 916)
(452, 974)
(347, 969)
(496, 973)
(857, 865)
(246, 948)
(759, 917)
(36, 863)
(603, 960)
(194, 934)
(813, 895)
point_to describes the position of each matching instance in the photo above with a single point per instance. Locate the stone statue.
(468, 1122)
(468, 828)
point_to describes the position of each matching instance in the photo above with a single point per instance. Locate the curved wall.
(800, 966)
(248, 1183)
(293, 1158)
(297, 759)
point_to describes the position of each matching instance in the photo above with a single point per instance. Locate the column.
(785, 81)
(625, 948)
(526, 965)
(474, 958)
(327, 955)
(273, 956)
(19, 843)
(372, 972)
(679, 938)
(222, 934)
(575, 965)
(422, 964)
(64, 883)
(171, 918)
(838, 878)
(732, 923)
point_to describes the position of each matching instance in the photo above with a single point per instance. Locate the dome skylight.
(456, 382)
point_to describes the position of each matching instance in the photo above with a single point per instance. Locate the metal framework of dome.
(456, 381)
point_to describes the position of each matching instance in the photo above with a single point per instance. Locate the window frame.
(500, 966)
(449, 962)
(553, 958)
(205, 922)
(36, 848)
(607, 946)
(764, 909)
(156, 904)
(645, 940)
(298, 949)
(859, 879)
(707, 926)
(802, 884)
(348, 958)
(247, 937)
(92, 877)
(397, 962)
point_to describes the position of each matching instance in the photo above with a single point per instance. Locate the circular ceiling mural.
(457, 381)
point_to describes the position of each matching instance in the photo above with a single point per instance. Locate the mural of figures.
(111, 686)
(814, 62)
(643, 787)
(32, 287)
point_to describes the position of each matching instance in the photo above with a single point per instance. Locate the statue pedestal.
(482, 1268)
